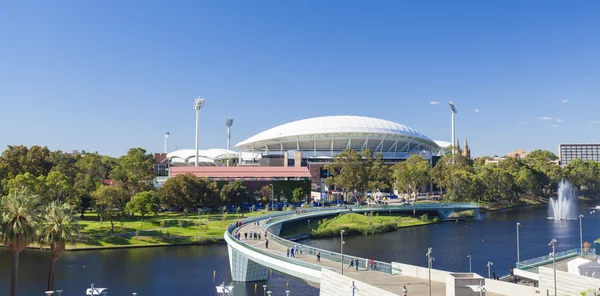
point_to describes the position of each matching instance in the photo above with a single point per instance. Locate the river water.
(188, 270)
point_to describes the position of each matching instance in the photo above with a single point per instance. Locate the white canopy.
(573, 265)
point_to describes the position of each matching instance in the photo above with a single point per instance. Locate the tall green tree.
(348, 172)
(110, 202)
(144, 202)
(234, 193)
(58, 228)
(134, 171)
(380, 175)
(91, 172)
(412, 174)
(20, 212)
(298, 195)
(187, 191)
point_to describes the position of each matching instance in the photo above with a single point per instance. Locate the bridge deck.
(388, 282)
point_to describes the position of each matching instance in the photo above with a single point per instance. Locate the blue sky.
(109, 75)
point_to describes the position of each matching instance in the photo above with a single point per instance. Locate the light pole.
(228, 124)
(552, 243)
(308, 225)
(489, 265)
(342, 248)
(198, 104)
(166, 140)
(264, 290)
(518, 246)
(580, 235)
(469, 256)
(453, 108)
(429, 252)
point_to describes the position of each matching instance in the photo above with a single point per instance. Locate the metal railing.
(363, 263)
(232, 228)
(532, 264)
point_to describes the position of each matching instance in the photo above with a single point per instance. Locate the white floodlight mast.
(166, 139)
(228, 124)
(198, 104)
(453, 108)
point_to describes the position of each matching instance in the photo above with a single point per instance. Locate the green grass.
(159, 229)
(354, 223)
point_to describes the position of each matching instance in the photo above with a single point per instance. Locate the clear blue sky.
(109, 75)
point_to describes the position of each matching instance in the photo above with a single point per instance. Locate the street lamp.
(469, 256)
(342, 248)
(552, 243)
(580, 235)
(228, 124)
(429, 258)
(166, 140)
(489, 265)
(518, 247)
(453, 108)
(198, 104)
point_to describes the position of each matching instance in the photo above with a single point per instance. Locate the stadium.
(300, 149)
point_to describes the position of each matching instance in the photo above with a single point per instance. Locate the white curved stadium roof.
(334, 132)
(205, 157)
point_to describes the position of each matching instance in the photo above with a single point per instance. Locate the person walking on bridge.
(404, 291)
(319, 257)
(267, 243)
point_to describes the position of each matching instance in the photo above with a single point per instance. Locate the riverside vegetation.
(367, 223)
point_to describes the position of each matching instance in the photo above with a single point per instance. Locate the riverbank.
(365, 224)
(490, 206)
(166, 229)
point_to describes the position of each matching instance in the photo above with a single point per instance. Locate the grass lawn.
(159, 229)
(354, 223)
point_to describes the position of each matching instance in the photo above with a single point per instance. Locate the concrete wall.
(335, 284)
(458, 284)
(510, 289)
(421, 272)
(566, 283)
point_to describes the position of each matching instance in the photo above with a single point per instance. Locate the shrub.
(437, 220)
(162, 224)
(424, 217)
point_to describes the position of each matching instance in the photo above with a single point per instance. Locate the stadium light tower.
(453, 108)
(228, 124)
(166, 140)
(198, 104)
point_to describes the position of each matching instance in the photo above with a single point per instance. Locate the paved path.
(388, 282)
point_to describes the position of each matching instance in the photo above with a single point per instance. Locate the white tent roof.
(573, 265)
(336, 125)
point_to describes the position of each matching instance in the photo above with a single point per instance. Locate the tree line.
(462, 179)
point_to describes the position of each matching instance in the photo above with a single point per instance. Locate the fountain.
(562, 207)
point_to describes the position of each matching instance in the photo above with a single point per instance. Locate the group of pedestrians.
(295, 250)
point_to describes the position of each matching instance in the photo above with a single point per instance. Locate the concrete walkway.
(388, 282)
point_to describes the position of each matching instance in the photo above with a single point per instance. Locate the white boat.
(92, 291)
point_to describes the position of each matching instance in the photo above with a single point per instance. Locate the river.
(188, 270)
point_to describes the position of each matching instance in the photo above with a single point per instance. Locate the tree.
(143, 203)
(412, 174)
(186, 191)
(134, 171)
(20, 220)
(348, 171)
(110, 202)
(92, 170)
(446, 166)
(266, 193)
(298, 195)
(464, 185)
(380, 175)
(58, 229)
(234, 193)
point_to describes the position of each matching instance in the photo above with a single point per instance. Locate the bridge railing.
(232, 228)
(532, 264)
(363, 263)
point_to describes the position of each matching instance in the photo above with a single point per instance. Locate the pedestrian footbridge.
(251, 260)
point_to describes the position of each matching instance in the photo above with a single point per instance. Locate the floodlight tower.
(198, 104)
(453, 108)
(166, 140)
(228, 124)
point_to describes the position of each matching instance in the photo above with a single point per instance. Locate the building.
(518, 153)
(314, 142)
(585, 152)
(494, 160)
(466, 152)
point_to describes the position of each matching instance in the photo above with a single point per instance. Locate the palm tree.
(58, 229)
(19, 220)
